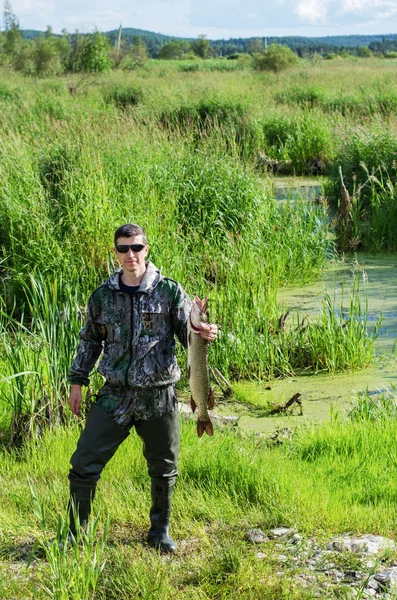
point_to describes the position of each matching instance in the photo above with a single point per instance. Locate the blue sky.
(214, 18)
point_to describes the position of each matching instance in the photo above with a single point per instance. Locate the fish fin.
(205, 426)
(193, 405)
(211, 399)
(209, 429)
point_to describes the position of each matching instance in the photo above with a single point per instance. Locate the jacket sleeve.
(89, 348)
(180, 312)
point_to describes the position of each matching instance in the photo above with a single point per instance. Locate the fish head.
(199, 314)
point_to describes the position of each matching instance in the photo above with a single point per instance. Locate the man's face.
(132, 262)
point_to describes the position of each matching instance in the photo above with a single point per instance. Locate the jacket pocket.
(112, 322)
(155, 322)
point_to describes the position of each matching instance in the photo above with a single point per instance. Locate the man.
(133, 318)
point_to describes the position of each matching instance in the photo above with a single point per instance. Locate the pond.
(296, 188)
(324, 395)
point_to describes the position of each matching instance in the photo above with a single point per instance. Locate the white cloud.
(373, 7)
(312, 11)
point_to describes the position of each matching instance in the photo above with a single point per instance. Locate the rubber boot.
(158, 536)
(79, 507)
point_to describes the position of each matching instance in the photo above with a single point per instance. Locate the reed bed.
(75, 166)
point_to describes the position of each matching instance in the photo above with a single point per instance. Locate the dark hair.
(130, 230)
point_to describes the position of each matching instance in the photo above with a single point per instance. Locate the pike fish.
(202, 396)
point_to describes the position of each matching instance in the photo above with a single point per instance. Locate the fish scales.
(202, 396)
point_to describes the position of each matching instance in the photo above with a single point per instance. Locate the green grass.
(317, 482)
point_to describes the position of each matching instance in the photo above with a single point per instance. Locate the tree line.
(36, 53)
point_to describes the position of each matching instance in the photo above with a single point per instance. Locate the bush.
(211, 115)
(333, 56)
(124, 96)
(92, 55)
(46, 56)
(303, 139)
(374, 149)
(275, 58)
(214, 196)
(364, 52)
(5, 92)
(190, 67)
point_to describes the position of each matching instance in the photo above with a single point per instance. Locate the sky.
(216, 19)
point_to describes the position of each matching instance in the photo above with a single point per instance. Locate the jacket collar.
(150, 280)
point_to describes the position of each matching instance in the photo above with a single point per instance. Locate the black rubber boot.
(79, 507)
(158, 536)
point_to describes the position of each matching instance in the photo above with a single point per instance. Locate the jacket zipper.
(131, 336)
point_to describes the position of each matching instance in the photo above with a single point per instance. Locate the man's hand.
(75, 398)
(210, 334)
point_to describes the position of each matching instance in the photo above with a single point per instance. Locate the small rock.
(226, 419)
(370, 544)
(296, 538)
(282, 558)
(370, 593)
(282, 532)
(256, 536)
(388, 578)
(337, 576)
(311, 562)
(372, 584)
(352, 575)
(261, 555)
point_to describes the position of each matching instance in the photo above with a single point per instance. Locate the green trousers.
(98, 443)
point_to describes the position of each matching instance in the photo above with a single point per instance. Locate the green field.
(179, 152)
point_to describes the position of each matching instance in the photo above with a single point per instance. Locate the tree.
(94, 54)
(254, 45)
(13, 37)
(137, 55)
(47, 54)
(175, 50)
(201, 46)
(74, 63)
(364, 52)
(138, 51)
(276, 58)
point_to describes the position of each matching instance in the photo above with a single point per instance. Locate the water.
(296, 188)
(323, 395)
(377, 280)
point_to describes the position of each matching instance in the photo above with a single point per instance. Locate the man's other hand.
(75, 398)
(210, 334)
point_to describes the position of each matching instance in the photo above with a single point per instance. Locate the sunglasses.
(123, 249)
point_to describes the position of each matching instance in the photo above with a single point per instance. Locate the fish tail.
(205, 426)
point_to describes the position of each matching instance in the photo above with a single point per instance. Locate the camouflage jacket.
(135, 333)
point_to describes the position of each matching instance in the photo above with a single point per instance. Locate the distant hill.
(299, 44)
